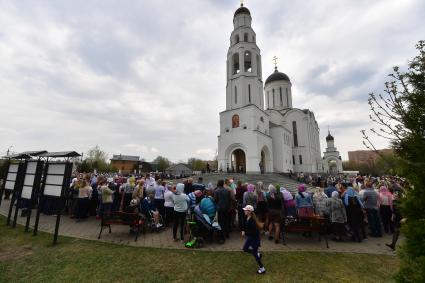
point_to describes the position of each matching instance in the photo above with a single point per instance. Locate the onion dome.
(242, 10)
(329, 137)
(277, 76)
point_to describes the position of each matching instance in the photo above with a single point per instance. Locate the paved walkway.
(120, 234)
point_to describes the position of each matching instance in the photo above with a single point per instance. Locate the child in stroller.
(149, 210)
(201, 229)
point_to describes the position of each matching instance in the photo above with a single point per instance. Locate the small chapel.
(260, 130)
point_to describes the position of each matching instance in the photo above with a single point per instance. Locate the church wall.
(251, 142)
(282, 149)
(308, 141)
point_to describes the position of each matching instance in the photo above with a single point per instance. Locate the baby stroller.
(147, 209)
(201, 229)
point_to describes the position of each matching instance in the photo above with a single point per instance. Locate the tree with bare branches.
(399, 116)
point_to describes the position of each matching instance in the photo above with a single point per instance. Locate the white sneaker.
(159, 225)
(261, 270)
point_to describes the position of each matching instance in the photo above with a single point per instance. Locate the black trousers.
(169, 215)
(223, 220)
(179, 218)
(386, 213)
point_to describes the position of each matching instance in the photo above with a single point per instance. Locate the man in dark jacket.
(222, 200)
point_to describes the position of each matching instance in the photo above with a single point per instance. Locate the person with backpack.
(252, 233)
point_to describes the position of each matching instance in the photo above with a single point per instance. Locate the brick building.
(125, 164)
(367, 156)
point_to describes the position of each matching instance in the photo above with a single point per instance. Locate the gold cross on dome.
(275, 61)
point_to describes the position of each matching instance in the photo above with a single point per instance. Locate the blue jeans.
(374, 222)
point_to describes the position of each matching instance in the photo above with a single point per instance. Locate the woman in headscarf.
(250, 197)
(288, 203)
(385, 201)
(240, 190)
(354, 207)
(261, 211)
(274, 202)
(338, 215)
(319, 202)
(303, 202)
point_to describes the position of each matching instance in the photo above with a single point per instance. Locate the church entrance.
(263, 162)
(333, 169)
(238, 161)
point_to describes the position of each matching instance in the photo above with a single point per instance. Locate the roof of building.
(329, 137)
(120, 157)
(277, 76)
(34, 152)
(60, 154)
(242, 10)
(17, 156)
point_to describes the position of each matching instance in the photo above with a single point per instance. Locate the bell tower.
(244, 79)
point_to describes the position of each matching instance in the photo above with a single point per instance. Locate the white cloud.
(148, 77)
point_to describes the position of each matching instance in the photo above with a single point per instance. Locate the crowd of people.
(348, 204)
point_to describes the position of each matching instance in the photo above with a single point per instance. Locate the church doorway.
(333, 168)
(263, 162)
(238, 161)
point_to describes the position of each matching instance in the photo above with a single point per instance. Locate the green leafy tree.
(163, 163)
(97, 159)
(196, 164)
(399, 114)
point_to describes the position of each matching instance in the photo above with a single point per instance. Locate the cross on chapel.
(275, 62)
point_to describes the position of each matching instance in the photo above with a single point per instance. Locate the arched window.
(268, 100)
(249, 93)
(245, 37)
(294, 132)
(235, 121)
(258, 65)
(237, 38)
(287, 98)
(236, 95)
(281, 100)
(235, 60)
(248, 61)
(273, 98)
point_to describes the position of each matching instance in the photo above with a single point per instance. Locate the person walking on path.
(252, 234)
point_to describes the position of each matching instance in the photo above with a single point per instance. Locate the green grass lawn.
(24, 258)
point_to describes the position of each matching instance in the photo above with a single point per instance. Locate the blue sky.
(148, 77)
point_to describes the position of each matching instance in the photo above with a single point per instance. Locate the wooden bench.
(306, 225)
(133, 220)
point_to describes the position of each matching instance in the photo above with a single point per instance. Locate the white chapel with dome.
(260, 130)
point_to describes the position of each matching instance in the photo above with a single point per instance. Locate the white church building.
(260, 130)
